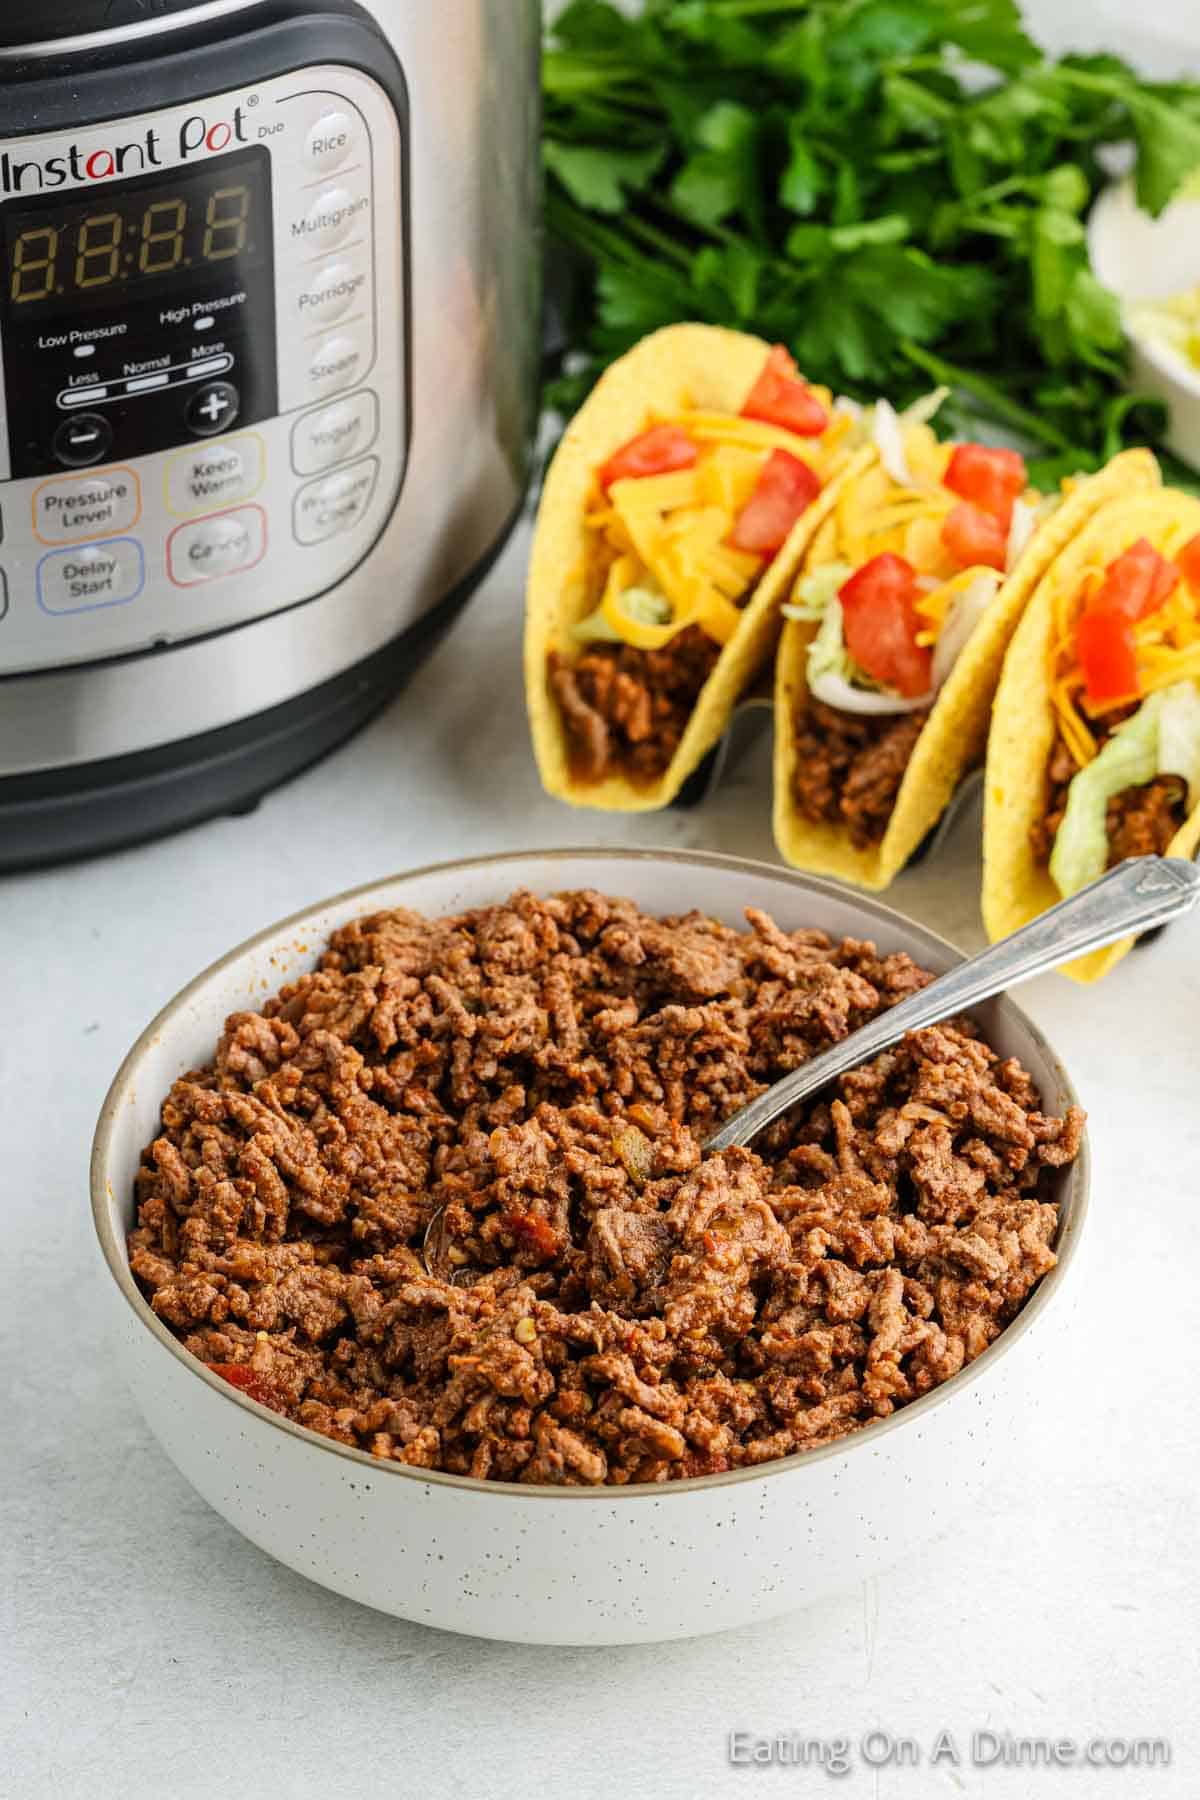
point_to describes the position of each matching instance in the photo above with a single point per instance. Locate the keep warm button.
(225, 544)
(108, 574)
(326, 509)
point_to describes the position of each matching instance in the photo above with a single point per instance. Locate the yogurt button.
(333, 434)
(331, 141)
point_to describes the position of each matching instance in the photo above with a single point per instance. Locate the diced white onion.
(889, 441)
(1024, 524)
(966, 610)
(835, 691)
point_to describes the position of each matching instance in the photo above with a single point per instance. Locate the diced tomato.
(251, 1383)
(991, 479)
(1107, 656)
(976, 538)
(786, 486)
(881, 624)
(1136, 584)
(658, 451)
(1188, 562)
(780, 397)
(533, 1233)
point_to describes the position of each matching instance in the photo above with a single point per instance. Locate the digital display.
(123, 242)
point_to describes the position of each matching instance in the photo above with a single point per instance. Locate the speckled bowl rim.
(1073, 1203)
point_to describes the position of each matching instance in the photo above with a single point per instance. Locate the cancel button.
(222, 545)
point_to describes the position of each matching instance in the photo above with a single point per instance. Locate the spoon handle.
(1138, 894)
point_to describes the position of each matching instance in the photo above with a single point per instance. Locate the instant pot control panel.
(203, 414)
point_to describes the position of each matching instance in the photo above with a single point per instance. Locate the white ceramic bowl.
(1140, 258)
(569, 1565)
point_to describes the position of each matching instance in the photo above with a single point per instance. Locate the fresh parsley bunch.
(896, 189)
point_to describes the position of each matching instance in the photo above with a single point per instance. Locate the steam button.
(83, 440)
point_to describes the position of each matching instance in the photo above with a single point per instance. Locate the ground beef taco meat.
(849, 767)
(1140, 821)
(615, 1306)
(625, 710)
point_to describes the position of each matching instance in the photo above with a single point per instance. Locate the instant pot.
(269, 340)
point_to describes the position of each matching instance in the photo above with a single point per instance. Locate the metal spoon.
(1137, 895)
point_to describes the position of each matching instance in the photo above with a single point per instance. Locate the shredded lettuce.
(640, 603)
(827, 654)
(814, 592)
(1162, 738)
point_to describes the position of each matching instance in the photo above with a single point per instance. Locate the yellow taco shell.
(1016, 888)
(956, 731)
(702, 368)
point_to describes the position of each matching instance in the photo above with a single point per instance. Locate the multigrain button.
(107, 574)
(330, 293)
(330, 219)
(337, 362)
(208, 549)
(71, 508)
(216, 475)
(331, 141)
(326, 509)
(335, 433)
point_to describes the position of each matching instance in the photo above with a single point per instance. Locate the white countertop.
(152, 1651)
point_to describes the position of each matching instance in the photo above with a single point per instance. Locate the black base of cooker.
(58, 814)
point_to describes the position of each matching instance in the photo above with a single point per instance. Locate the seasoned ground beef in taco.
(896, 631)
(675, 512)
(1095, 753)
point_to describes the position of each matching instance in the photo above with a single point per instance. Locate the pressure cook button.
(83, 440)
(326, 509)
(330, 219)
(330, 293)
(225, 544)
(331, 141)
(337, 363)
(213, 408)
(334, 433)
(107, 574)
(71, 508)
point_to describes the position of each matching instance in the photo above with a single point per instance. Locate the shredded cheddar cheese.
(671, 532)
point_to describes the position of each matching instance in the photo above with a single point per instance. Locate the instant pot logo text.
(198, 136)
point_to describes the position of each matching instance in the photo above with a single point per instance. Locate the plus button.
(213, 408)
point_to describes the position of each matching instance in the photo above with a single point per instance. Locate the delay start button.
(326, 509)
(107, 574)
(225, 544)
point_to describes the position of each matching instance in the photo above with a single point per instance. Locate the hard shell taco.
(675, 512)
(895, 635)
(1095, 747)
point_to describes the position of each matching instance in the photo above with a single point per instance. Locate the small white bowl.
(1140, 258)
(571, 1565)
